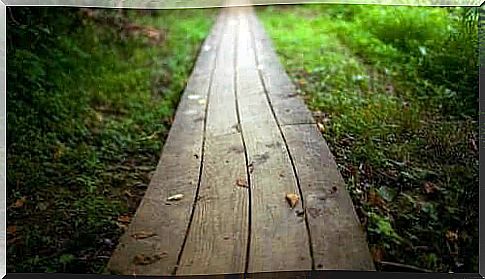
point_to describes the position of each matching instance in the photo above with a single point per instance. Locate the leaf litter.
(242, 183)
(292, 199)
(143, 235)
(143, 259)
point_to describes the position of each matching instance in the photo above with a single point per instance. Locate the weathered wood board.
(242, 140)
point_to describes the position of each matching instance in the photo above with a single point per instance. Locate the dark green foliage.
(88, 107)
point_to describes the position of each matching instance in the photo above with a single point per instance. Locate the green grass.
(397, 91)
(88, 110)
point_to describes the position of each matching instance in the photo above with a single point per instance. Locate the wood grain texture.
(217, 240)
(222, 116)
(279, 240)
(241, 140)
(338, 240)
(177, 173)
(288, 106)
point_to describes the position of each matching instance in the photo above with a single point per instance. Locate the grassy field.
(396, 92)
(91, 95)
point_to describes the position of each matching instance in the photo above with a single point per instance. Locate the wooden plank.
(279, 240)
(289, 107)
(338, 240)
(217, 241)
(177, 173)
(222, 99)
(207, 231)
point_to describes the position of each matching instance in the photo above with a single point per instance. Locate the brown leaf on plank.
(143, 235)
(242, 183)
(142, 259)
(292, 199)
(124, 219)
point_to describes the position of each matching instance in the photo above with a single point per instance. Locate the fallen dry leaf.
(176, 197)
(153, 34)
(20, 202)
(374, 199)
(12, 229)
(452, 236)
(143, 235)
(321, 127)
(292, 199)
(241, 183)
(124, 219)
(146, 260)
(430, 188)
(376, 254)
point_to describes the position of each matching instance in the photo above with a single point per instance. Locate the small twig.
(404, 266)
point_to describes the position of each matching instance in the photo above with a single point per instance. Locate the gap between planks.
(250, 111)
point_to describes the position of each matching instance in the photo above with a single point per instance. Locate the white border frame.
(138, 4)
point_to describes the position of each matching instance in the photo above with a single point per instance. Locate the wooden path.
(241, 141)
